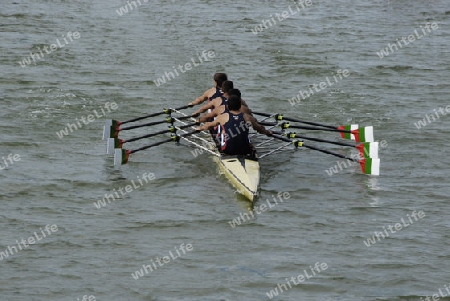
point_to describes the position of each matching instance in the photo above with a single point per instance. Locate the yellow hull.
(242, 173)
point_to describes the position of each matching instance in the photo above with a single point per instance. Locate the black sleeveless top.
(218, 93)
(234, 136)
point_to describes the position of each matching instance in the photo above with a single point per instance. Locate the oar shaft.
(142, 125)
(165, 111)
(317, 149)
(295, 135)
(268, 123)
(168, 120)
(310, 123)
(151, 145)
(158, 133)
(294, 120)
(317, 129)
(173, 138)
(331, 153)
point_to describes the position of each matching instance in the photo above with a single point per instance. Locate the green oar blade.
(370, 166)
(113, 132)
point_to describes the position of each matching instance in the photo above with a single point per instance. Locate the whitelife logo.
(167, 76)
(90, 118)
(398, 226)
(25, 243)
(166, 259)
(53, 47)
(318, 267)
(11, 158)
(391, 48)
(147, 177)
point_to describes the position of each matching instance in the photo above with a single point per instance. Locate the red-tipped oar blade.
(349, 127)
(370, 166)
(121, 156)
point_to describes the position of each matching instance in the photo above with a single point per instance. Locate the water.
(325, 220)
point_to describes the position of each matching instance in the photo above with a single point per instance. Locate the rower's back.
(235, 135)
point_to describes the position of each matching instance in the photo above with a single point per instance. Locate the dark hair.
(234, 103)
(219, 78)
(227, 86)
(235, 92)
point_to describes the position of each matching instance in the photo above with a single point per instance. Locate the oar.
(117, 143)
(268, 123)
(366, 149)
(280, 117)
(362, 134)
(121, 156)
(343, 129)
(164, 111)
(368, 165)
(115, 123)
(115, 129)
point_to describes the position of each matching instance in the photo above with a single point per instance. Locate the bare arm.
(216, 112)
(204, 108)
(245, 108)
(258, 127)
(200, 99)
(209, 125)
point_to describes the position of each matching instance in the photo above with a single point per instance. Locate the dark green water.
(327, 218)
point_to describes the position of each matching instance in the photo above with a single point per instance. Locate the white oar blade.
(110, 145)
(373, 150)
(353, 127)
(117, 157)
(366, 134)
(368, 150)
(107, 129)
(370, 166)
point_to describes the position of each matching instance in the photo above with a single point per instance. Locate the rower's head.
(234, 103)
(236, 92)
(227, 86)
(219, 78)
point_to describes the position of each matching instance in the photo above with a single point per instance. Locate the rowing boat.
(243, 172)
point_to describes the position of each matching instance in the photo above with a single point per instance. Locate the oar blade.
(370, 166)
(114, 129)
(349, 127)
(368, 150)
(112, 144)
(120, 157)
(107, 129)
(366, 134)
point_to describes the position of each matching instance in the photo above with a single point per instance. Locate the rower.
(235, 129)
(217, 101)
(213, 92)
(221, 108)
